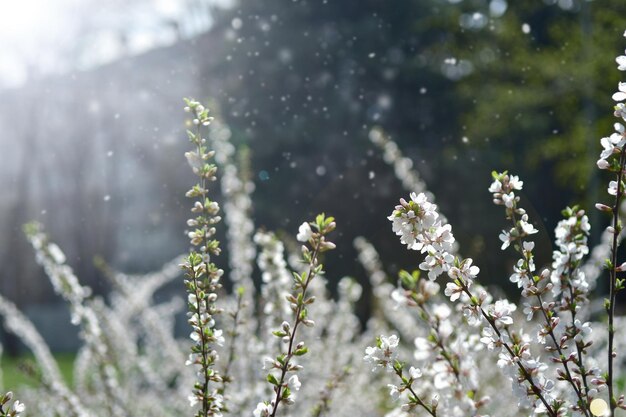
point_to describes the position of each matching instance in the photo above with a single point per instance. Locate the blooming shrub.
(288, 348)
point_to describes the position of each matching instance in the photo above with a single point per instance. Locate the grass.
(13, 377)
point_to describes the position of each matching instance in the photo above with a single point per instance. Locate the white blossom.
(501, 311)
(262, 410)
(18, 407)
(506, 239)
(621, 62)
(453, 290)
(304, 232)
(384, 354)
(415, 372)
(495, 187)
(294, 382)
(466, 271)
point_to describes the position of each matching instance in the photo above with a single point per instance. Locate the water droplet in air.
(236, 23)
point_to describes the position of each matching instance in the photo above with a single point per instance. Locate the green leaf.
(407, 279)
(319, 220)
(272, 379)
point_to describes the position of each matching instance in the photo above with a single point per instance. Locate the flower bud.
(328, 245)
(435, 401)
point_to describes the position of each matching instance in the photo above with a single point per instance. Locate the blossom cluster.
(503, 189)
(202, 275)
(236, 190)
(274, 274)
(549, 293)
(84, 313)
(419, 227)
(417, 224)
(313, 235)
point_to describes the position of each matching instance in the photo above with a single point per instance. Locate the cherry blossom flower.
(262, 410)
(304, 232)
(384, 353)
(506, 239)
(621, 94)
(466, 271)
(453, 290)
(501, 311)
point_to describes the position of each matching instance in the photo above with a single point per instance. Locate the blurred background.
(92, 128)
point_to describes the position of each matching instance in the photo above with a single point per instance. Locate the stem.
(525, 373)
(204, 347)
(417, 398)
(562, 357)
(613, 278)
(310, 276)
(579, 363)
(420, 402)
(205, 365)
(324, 402)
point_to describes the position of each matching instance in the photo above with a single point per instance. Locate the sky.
(40, 37)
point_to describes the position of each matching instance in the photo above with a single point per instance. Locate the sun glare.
(27, 29)
(25, 20)
(41, 37)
